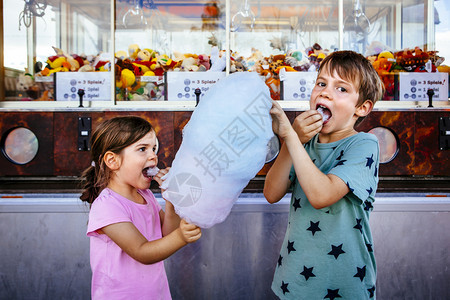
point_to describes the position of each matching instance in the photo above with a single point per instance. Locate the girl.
(130, 235)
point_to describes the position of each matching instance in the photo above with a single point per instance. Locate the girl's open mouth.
(150, 172)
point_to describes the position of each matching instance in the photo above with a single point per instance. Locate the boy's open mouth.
(325, 112)
(150, 172)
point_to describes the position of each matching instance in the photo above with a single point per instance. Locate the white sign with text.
(298, 85)
(414, 86)
(182, 85)
(96, 86)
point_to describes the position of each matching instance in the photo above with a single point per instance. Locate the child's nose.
(152, 155)
(325, 92)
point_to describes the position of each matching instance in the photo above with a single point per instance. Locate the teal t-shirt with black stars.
(328, 253)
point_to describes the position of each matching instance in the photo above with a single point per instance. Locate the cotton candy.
(224, 146)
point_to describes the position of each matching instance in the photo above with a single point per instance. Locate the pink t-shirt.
(115, 275)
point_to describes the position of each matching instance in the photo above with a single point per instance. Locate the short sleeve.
(106, 210)
(358, 166)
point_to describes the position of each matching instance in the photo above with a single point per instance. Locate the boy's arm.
(321, 190)
(277, 179)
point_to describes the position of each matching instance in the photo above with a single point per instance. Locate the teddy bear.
(26, 87)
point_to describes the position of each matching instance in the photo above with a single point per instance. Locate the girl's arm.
(132, 242)
(322, 190)
(169, 219)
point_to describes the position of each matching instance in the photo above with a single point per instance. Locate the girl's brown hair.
(111, 135)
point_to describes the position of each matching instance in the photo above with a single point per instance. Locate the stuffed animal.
(26, 87)
(218, 63)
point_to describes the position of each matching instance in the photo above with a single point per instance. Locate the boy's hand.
(280, 122)
(307, 125)
(189, 232)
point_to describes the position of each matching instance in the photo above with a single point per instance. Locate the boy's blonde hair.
(355, 68)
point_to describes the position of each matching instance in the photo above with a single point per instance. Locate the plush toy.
(133, 51)
(203, 61)
(189, 64)
(26, 86)
(218, 63)
(411, 60)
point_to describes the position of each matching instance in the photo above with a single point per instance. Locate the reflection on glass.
(244, 15)
(273, 149)
(20, 145)
(388, 142)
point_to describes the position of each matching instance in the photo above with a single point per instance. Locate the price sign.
(414, 86)
(298, 85)
(96, 86)
(181, 85)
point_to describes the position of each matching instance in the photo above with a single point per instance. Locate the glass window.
(46, 37)
(151, 38)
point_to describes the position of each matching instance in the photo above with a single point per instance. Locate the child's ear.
(111, 160)
(364, 109)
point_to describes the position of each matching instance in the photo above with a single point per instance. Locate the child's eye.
(142, 149)
(341, 89)
(154, 149)
(321, 84)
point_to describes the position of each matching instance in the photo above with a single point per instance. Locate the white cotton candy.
(152, 171)
(224, 146)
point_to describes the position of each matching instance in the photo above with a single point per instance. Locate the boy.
(327, 251)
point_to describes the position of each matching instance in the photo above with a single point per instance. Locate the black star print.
(280, 259)
(340, 156)
(369, 247)
(370, 190)
(284, 287)
(314, 227)
(369, 162)
(351, 190)
(368, 205)
(332, 294)
(307, 272)
(297, 203)
(358, 225)
(371, 292)
(336, 251)
(341, 162)
(290, 247)
(376, 172)
(360, 273)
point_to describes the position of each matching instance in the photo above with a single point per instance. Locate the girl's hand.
(280, 122)
(307, 125)
(189, 232)
(159, 177)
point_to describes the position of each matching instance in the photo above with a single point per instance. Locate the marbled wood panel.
(402, 123)
(69, 161)
(181, 118)
(41, 123)
(429, 160)
(162, 121)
